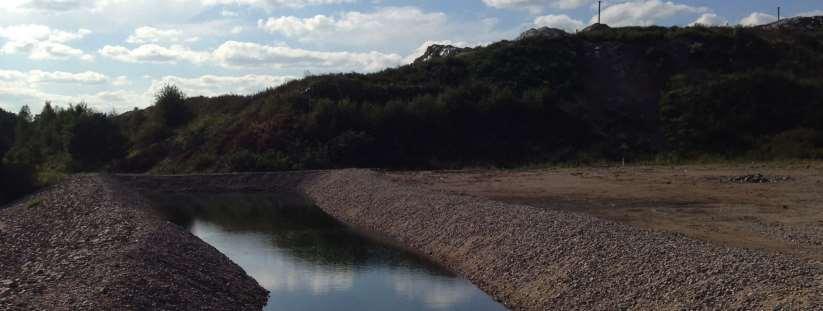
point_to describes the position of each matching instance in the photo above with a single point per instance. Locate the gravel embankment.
(539, 259)
(92, 244)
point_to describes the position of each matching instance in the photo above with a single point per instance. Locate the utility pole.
(599, 3)
(778, 14)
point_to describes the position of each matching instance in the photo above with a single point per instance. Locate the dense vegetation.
(37, 150)
(629, 93)
(610, 94)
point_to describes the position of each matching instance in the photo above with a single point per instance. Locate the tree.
(7, 124)
(48, 131)
(170, 106)
(95, 140)
(23, 152)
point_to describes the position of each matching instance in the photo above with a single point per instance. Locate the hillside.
(604, 93)
(635, 93)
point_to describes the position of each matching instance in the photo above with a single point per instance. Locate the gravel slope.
(91, 244)
(538, 259)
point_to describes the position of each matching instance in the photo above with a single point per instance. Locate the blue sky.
(114, 54)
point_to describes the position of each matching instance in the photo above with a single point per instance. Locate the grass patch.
(34, 203)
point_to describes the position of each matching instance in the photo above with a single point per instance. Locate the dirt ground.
(722, 204)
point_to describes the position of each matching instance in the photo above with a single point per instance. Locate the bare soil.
(776, 207)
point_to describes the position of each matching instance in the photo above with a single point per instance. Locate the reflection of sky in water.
(299, 284)
(270, 266)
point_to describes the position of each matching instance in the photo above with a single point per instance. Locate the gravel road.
(91, 244)
(539, 259)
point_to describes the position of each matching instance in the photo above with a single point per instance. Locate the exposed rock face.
(439, 51)
(797, 23)
(596, 27)
(543, 32)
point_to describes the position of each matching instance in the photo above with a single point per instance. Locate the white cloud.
(147, 34)
(381, 27)
(645, 12)
(98, 5)
(153, 53)
(210, 85)
(26, 88)
(758, 18)
(29, 88)
(50, 5)
(42, 42)
(233, 54)
(271, 4)
(710, 19)
(536, 6)
(559, 21)
(247, 54)
(227, 13)
(39, 76)
(121, 81)
(811, 13)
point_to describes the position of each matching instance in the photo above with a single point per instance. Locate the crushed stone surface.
(90, 243)
(539, 259)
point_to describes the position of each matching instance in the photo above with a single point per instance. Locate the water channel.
(309, 261)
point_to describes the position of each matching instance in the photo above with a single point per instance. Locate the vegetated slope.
(604, 93)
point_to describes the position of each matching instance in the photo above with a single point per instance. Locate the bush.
(170, 106)
(15, 181)
(727, 114)
(801, 143)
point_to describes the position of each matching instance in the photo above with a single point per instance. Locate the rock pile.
(540, 259)
(439, 51)
(757, 179)
(543, 32)
(800, 23)
(596, 27)
(91, 244)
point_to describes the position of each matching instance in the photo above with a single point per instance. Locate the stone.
(799, 23)
(439, 51)
(542, 32)
(596, 27)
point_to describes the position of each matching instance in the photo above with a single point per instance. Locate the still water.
(309, 261)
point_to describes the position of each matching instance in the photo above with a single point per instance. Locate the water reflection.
(310, 262)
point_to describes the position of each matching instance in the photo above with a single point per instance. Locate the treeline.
(767, 114)
(39, 149)
(631, 93)
(614, 94)
(448, 112)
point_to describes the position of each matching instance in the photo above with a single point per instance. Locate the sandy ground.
(700, 201)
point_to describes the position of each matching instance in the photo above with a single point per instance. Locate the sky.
(114, 55)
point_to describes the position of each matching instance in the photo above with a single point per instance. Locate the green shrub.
(15, 181)
(170, 106)
(801, 143)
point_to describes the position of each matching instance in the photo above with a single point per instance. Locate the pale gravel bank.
(538, 259)
(91, 244)
(529, 258)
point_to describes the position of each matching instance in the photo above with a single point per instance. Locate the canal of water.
(309, 261)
